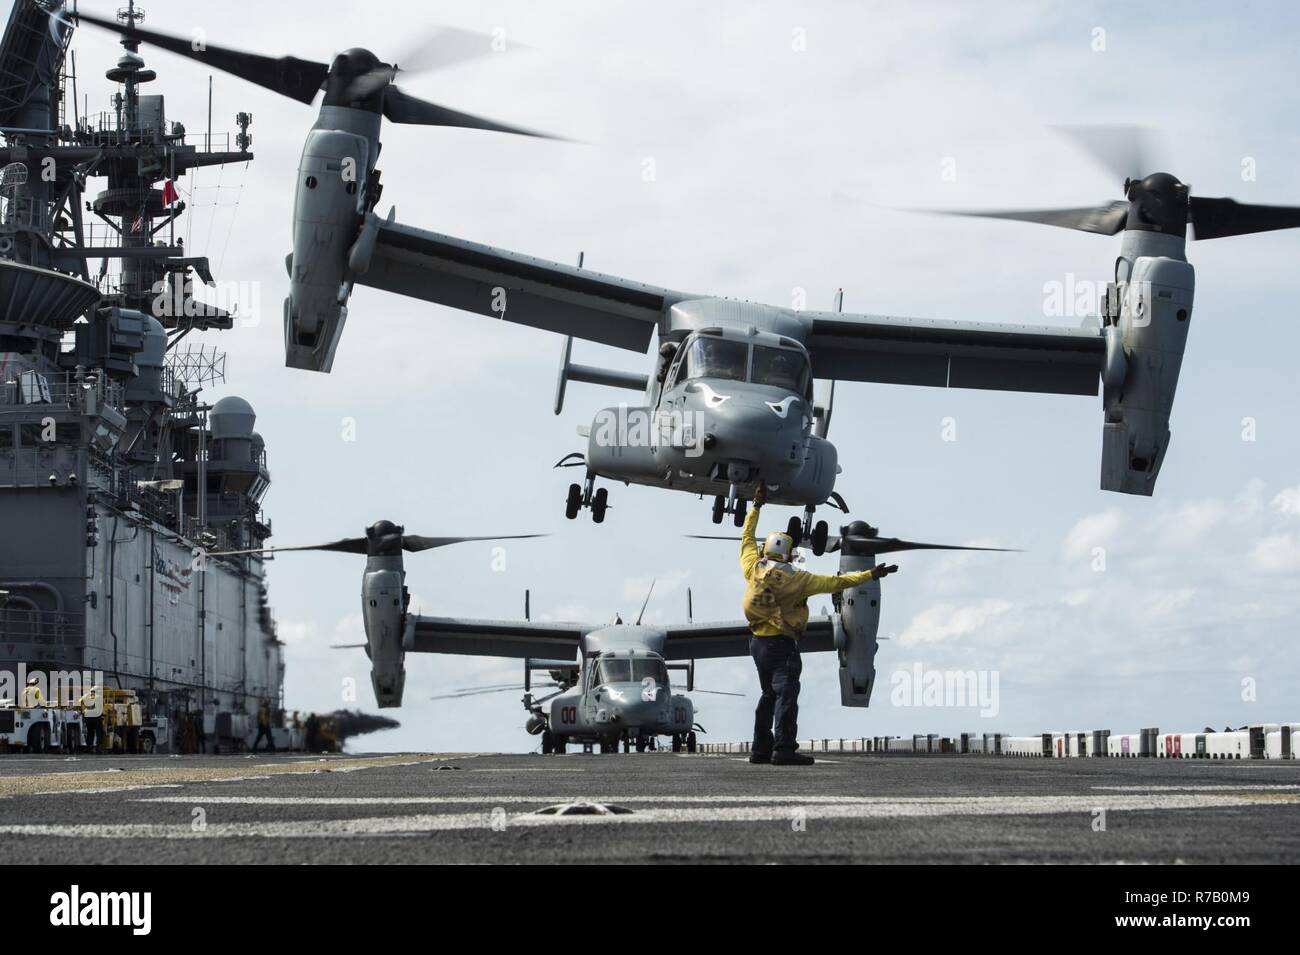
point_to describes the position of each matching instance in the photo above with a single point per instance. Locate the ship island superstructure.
(117, 479)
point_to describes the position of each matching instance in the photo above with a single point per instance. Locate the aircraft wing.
(493, 638)
(703, 641)
(514, 287)
(916, 351)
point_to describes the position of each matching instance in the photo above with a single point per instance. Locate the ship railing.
(210, 539)
(59, 390)
(23, 212)
(47, 627)
(107, 128)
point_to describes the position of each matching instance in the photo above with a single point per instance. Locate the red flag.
(169, 193)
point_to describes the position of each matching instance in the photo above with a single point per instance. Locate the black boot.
(789, 757)
(759, 758)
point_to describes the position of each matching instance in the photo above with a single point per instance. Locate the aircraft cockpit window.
(614, 670)
(780, 367)
(717, 358)
(643, 667)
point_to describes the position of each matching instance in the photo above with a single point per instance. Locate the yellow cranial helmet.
(778, 545)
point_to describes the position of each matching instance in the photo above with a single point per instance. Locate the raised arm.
(748, 543)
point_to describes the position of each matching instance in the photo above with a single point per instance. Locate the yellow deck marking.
(133, 778)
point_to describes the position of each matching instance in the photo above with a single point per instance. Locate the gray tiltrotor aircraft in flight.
(731, 400)
(611, 680)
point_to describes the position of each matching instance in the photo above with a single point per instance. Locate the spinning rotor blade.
(876, 545)
(445, 47)
(1100, 220)
(415, 542)
(1210, 218)
(1218, 218)
(349, 545)
(483, 690)
(1126, 151)
(288, 75)
(441, 49)
(358, 545)
(400, 107)
(715, 692)
(891, 545)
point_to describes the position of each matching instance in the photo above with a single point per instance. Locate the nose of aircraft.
(633, 704)
(762, 427)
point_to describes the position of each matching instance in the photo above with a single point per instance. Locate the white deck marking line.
(1224, 787)
(425, 822)
(531, 769)
(499, 800)
(103, 790)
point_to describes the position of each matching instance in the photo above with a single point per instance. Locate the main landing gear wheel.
(805, 531)
(820, 532)
(739, 516)
(609, 745)
(677, 742)
(548, 743)
(719, 505)
(690, 742)
(586, 495)
(560, 745)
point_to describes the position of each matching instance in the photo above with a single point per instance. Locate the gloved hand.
(760, 495)
(884, 570)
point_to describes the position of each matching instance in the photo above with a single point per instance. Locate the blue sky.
(775, 167)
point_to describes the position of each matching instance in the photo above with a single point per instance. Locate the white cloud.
(1193, 519)
(944, 622)
(1095, 530)
(1288, 501)
(1276, 554)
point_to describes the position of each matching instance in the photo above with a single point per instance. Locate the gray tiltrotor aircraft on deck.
(599, 671)
(731, 401)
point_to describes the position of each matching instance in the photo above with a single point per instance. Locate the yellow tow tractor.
(122, 721)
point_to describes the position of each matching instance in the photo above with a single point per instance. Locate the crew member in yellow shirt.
(776, 606)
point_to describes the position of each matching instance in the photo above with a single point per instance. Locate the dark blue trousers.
(779, 666)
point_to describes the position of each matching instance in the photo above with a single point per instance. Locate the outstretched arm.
(834, 583)
(748, 542)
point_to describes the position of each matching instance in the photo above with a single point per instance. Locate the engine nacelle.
(856, 626)
(328, 206)
(1144, 357)
(383, 600)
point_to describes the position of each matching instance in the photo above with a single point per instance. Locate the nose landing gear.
(587, 495)
(732, 504)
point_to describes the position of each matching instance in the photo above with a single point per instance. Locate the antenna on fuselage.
(646, 604)
(690, 609)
